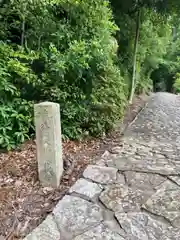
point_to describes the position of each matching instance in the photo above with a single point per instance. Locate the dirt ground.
(24, 203)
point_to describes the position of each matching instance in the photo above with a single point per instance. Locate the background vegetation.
(90, 56)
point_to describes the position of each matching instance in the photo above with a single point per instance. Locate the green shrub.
(66, 54)
(80, 71)
(88, 85)
(16, 121)
(177, 83)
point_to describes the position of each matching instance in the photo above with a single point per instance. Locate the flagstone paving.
(133, 193)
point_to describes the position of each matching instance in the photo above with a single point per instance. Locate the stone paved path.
(132, 193)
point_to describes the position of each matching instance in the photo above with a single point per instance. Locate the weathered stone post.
(48, 141)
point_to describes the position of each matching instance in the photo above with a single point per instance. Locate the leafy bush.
(65, 53)
(91, 89)
(15, 123)
(15, 112)
(177, 83)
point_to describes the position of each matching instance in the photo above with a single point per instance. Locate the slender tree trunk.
(133, 83)
(22, 32)
(39, 42)
(23, 17)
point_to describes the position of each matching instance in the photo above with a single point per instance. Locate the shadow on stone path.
(132, 193)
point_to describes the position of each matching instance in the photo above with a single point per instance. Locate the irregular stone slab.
(105, 155)
(138, 149)
(143, 181)
(166, 202)
(159, 120)
(112, 224)
(103, 175)
(84, 187)
(98, 233)
(140, 226)
(120, 179)
(171, 234)
(121, 198)
(101, 162)
(175, 179)
(117, 150)
(45, 231)
(147, 164)
(74, 215)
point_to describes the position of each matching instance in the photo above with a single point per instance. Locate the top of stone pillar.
(46, 103)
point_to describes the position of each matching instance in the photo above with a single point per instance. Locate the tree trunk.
(23, 17)
(23, 31)
(133, 83)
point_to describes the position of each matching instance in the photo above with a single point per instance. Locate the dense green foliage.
(166, 77)
(80, 54)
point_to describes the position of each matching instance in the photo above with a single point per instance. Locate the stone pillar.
(48, 141)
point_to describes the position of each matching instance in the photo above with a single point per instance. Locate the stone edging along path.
(130, 194)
